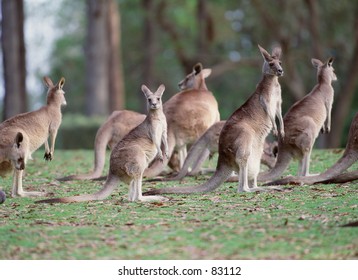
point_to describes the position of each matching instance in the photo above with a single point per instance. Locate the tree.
(149, 50)
(343, 103)
(204, 34)
(13, 47)
(115, 72)
(104, 81)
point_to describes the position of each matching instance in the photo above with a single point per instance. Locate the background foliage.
(223, 35)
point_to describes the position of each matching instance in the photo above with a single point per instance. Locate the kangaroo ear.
(330, 61)
(197, 68)
(206, 72)
(160, 90)
(316, 62)
(61, 83)
(265, 54)
(18, 139)
(146, 90)
(47, 81)
(276, 52)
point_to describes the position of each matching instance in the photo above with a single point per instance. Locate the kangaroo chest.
(156, 130)
(274, 99)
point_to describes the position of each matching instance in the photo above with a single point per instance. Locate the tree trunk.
(149, 50)
(96, 52)
(13, 46)
(115, 77)
(313, 27)
(170, 28)
(205, 30)
(345, 97)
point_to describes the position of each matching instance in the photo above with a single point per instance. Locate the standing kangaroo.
(189, 114)
(23, 134)
(206, 146)
(131, 156)
(334, 174)
(303, 122)
(118, 124)
(242, 138)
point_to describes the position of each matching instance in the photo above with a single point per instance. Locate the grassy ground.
(299, 223)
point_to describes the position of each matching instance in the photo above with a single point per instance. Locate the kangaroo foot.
(29, 194)
(151, 198)
(259, 189)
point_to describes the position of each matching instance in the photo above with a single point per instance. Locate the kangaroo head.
(154, 100)
(272, 62)
(325, 71)
(17, 153)
(55, 93)
(195, 78)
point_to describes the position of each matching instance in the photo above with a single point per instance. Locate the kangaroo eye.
(271, 64)
(280, 63)
(158, 98)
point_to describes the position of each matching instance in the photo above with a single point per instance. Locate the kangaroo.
(118, 124)
(189, 114)
(23, 134)
(334, 173)
(242, 138)
(131, 156)
(303, 122)
(206, 146)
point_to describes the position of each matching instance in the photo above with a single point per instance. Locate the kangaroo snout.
(154, 105)
(181, 85)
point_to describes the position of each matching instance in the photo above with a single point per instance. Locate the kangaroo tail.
(88, 176)
(109, 186)
(197, 154)
(342, 178)
(341, 165)
(221, 174)
(347, 159)
(283, 160)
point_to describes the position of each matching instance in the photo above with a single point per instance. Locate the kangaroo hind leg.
(17, 189)
(243, 160)
(135, 193)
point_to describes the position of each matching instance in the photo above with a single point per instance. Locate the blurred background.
(107, 48)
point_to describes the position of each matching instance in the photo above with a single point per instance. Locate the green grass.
(298, 223)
